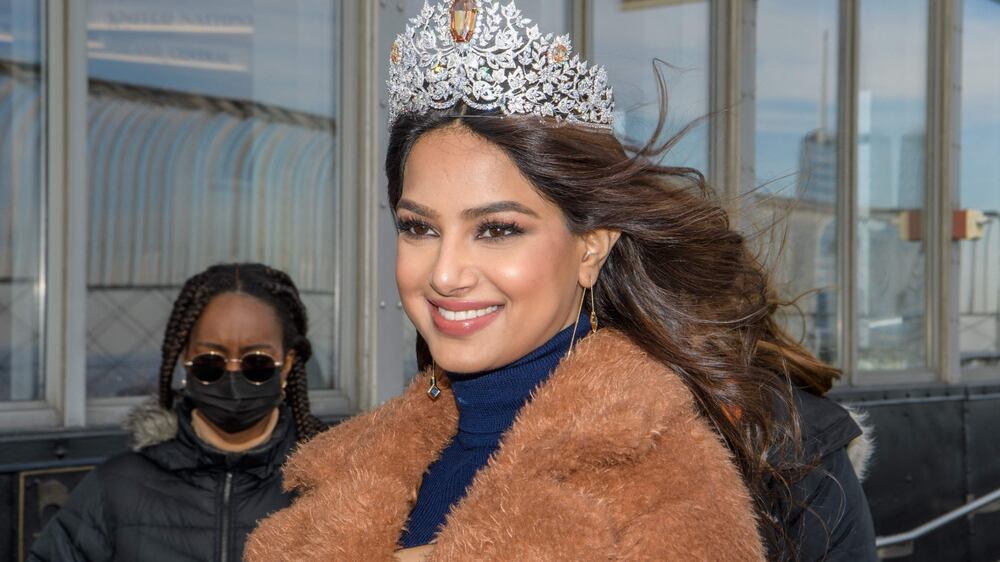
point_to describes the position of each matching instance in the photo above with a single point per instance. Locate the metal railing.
(901, 544)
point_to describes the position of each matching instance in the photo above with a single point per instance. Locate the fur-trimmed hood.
(828, 427)
(149, 424)
(609, 461)
(861, 449)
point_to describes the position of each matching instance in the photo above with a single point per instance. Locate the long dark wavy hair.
(681, 283)
(272, 287)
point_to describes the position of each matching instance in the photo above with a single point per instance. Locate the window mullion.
(354, 102)
(384, 316)
(847, 140)
(54, 206)
(73, 191)
(944, 67)
(731, 128)
(581, 27)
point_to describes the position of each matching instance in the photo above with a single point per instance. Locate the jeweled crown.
(487, 56)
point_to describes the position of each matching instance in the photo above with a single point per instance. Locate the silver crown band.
(485, 55)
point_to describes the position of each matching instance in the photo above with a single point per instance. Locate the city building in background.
(855, 143)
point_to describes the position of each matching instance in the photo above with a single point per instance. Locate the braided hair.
(271, 286)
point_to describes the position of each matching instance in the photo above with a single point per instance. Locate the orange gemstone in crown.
(559, 53)
(395, 55)
(463, 20)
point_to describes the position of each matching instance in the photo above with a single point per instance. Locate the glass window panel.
(891, 262)
(796, 161)
(211, 138)
(22, 188)
(626, 37)
(979, 280)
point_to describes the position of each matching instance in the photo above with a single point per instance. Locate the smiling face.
(487, 269)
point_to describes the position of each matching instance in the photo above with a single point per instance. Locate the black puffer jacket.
(828, 516)
(177, 500)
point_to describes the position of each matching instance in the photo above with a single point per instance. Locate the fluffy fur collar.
(149, 424)
(607, 462)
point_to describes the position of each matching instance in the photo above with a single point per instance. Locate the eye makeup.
(490, 230)
(414, 228)
(496, 230)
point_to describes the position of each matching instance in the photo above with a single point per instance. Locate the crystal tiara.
(487, 56)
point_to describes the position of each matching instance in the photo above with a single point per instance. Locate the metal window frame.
(383, 355)
(64, 275)
(342, 400)
(970, 375)
(581, 25)
(731, 164)
(941, 268)
(940, 177)
(847, 162)
(350, 171)
(944, 122)
(370, 316)
(732, 99)
(57, 407)
(75, 192)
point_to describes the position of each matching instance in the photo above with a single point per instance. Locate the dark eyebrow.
(243, 350)
(469, 214)
(256, 347)
(212, 346)
(406, 204)
(498, 207)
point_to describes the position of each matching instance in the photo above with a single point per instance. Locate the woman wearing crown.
(604, 378)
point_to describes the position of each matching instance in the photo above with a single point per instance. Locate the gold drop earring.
(593, 319)
(593, 312)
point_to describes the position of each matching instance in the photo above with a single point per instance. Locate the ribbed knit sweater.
(487, 404)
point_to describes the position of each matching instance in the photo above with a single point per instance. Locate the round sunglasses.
(256, 367)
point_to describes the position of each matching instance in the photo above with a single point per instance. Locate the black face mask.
(233, 403)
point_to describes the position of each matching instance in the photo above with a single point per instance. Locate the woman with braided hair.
(206, 459)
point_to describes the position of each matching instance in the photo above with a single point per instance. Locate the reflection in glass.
(22, 185)
(796, 161)
(979, 280)
(891, 276)
(626, 38)
(211, 138)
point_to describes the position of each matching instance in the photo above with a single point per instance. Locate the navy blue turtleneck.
(487, 404)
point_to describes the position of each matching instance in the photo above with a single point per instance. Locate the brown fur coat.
(609, 461)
